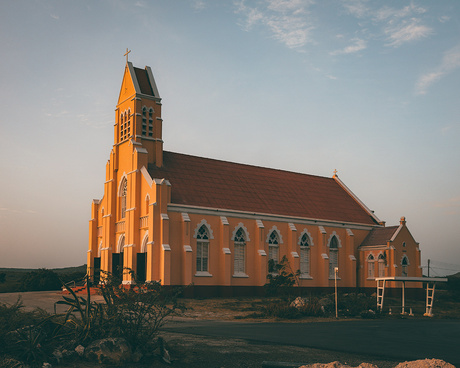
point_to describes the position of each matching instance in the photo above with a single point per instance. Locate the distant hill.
(12, 277)
(57, 270)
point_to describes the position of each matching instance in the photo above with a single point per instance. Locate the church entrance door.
(141, 266)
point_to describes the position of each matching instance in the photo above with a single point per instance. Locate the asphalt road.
(401, 339)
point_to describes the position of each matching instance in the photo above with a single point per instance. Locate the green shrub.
(40, 280)
(281, 279)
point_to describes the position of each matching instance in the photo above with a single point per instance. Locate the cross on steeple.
(126, 54)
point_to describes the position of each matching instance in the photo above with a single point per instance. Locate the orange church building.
(182, 220)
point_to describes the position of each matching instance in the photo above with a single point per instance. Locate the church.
(187, 220)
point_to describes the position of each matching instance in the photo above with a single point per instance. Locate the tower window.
(125, 125)
(123, 195)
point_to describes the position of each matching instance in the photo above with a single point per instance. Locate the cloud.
(199, 5)
(358, 45)
(452, 205)
(406, 32)
(13, 210)
(54, 16)
(358, 8)
(397, 25)
(449, 63)
(286, 20)
(408, 11)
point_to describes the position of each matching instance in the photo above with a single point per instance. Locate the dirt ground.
(199, 351)
(191, 351)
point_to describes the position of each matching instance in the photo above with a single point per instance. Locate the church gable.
(379, 236)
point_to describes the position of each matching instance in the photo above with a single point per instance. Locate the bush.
(40, 280)
(133, 313)
(281, 279)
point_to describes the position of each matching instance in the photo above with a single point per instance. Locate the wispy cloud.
(397, 25)
(406, 31)
(199, 5)
(450, 62)
(452, 205)
(358, 45)
(358, 8)
(14, 210)
(54, 16)
(287, 20)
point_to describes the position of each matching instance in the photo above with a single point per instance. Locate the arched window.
(273, 247)
(305, 255)
(333, 256)
(404, 265)
(239, 252)
(147, 201)
(370, 266)
(122, 127)
(144, 121)
(381, 261)
(202, 249)
(151, 122)
(123, 194)
(125, 125)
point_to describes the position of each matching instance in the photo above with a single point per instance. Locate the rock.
(164, 353)
(299, 302)
(110, 350)
(57, 355)
(80, 350)
(425, 363)
(47, 365)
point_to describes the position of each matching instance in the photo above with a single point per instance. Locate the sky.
(367, 88)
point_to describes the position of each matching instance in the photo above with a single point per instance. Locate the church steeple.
(138, 113)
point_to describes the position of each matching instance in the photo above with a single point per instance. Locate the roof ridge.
(249, 165)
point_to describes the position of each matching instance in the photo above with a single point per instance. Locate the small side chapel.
(183, 220)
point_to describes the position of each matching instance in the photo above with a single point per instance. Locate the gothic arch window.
(147, 202)
(150, 122)
(239, 252)
(202, 249)
(125, 125)
(404, 265)
(333, 255)
(123, 193)
(305, 243)
(381, 265)
(273, 246)
(144, 121)
(370, 266)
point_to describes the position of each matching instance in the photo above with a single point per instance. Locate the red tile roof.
(204, 182)
(143, 80)
(379, 236)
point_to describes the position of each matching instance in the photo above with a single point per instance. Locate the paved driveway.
(401, 339)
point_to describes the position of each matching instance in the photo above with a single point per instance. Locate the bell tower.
(138, 119)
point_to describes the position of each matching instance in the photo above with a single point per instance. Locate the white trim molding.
(205, 223)
(246, 232)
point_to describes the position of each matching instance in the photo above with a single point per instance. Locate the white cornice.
(267, 217)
